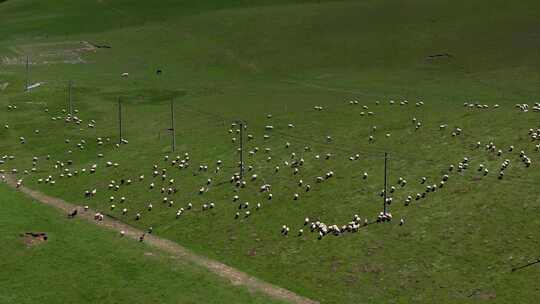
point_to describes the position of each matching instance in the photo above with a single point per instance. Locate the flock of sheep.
(159, 178)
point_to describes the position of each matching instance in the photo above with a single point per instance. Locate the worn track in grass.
(235, 276)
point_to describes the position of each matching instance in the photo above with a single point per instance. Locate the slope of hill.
(222, 61)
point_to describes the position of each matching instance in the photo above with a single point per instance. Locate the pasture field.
(274, 63)
(80, 263)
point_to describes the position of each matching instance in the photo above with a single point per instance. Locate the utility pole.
(385, 184)
(241, 149)
(173, 131)
(70, 105)
(120, 120)
(27, 74)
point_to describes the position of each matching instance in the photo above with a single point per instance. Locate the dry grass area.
(66, 52)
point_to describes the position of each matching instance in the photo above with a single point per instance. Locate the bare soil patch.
(34, 238)
(66, 52)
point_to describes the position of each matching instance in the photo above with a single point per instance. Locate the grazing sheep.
(408, 200)
(98, 217)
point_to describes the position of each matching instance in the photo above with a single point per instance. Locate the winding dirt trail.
(235, 276)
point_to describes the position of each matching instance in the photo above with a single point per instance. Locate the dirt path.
(235, 276)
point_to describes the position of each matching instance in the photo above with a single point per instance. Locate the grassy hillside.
(80, 263)
(229, 60)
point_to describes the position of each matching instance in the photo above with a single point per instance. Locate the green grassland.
(229, 60)
(80, 263)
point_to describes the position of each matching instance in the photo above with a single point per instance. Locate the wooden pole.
(70, 106)
(120, 120)
(27, 74)
(385, 182)
(173, 130)
(241, 150)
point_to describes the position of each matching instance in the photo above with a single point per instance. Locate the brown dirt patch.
(31, 239)
(483, 295)
(70, 52)
(369, 268)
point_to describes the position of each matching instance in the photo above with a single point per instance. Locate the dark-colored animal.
(72, 213)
